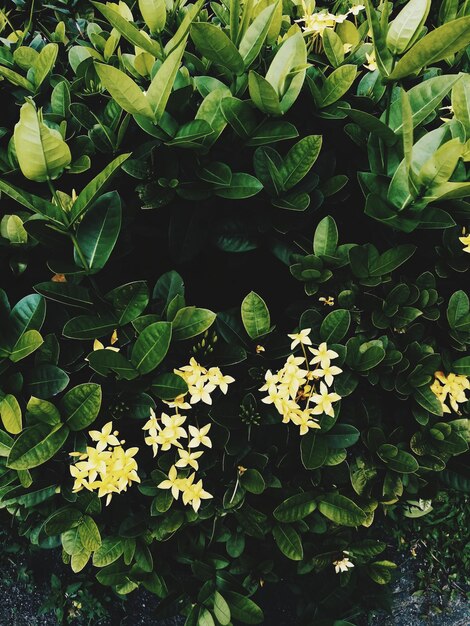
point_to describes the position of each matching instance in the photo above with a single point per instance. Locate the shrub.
(259, 442)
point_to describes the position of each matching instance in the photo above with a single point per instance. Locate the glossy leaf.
(36, 445)
(151, 347)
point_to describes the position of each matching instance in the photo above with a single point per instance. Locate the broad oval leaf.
(433, 47)
(296, 507)
(214, 44)
(341, 510)
(255, 315)
(151, 346)
(81, 405)
(36, 445)
(288, 541)
(191, 321)
(41, 151)
(98, 232)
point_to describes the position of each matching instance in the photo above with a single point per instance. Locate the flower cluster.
(106, 468)
(316, 23)
(292, 390)
(170, 431)
(202, 382)
(450, 388)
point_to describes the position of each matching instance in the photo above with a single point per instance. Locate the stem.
(236, 487)
(74, 239)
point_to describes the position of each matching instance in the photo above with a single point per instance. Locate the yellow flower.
(171, 432)
(327, 373)
(199, 436)
(152, 422)
(200, 392)
(322, 355)
(304, 420)
(219, 380)
(324, 401)
(466, 242)
(178, 403)
(173, 482)
(81, 476)
(300, 338)
(187, 457)
(330, 301)
(194, 493)
(106, 471)
(371, 62)
(104, 437)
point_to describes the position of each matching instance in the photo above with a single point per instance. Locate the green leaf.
(42, 409)
(41, 151)
(391, 259)
(26, 345)
(110, 550)
(205, 618)
(299, 160)
(81, 405)
(325, 240)
(263, 94)
(295, 508)
(128, 30)
(458, 308)
(154, 14)
(151, 346)
(124, 90)
(36, 204)
(428, 400)
(243, 609)
(373, 125)
(337, 84)
(333, 47)
(437, 45)
(289, 542)
(46, 380)
(403, 462)
(44, 63)
(214, 44)
(335, 326)
(424, 99)
(191, 321)
(252, 481)
(341, 510)
(441, 165)
(406, 27)
(129, 301)
(379, 34)
(160, 88)
(36, 445)
(89, 327)
(287, 70)
(98, 232)
(313, 450)
(241, 186)
(381, 571)
(255, 316)
(16, 79)
(89, 533)
(62, 520)
(342, 436)
(254, 37)
(10, 412)
(106, 361)
(221, 609)
(461, 101)
(65, 293)
(461, 366)
(169, 386)
(95, 188)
